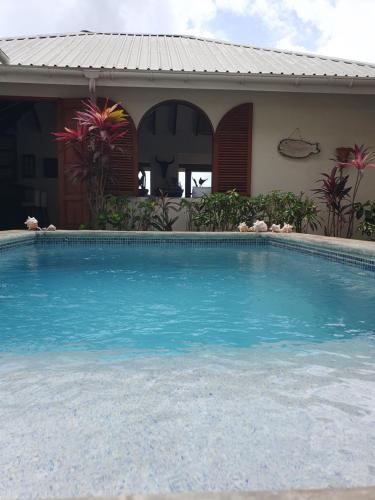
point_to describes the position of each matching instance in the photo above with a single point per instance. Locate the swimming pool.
(153, 368)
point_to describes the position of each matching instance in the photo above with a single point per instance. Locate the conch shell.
(260, 226)
(31, 224)
(275, 228)
(243, 227)
(287, 228)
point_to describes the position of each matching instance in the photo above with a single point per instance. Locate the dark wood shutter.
(124, 162)
(232, 151)
(72, 196)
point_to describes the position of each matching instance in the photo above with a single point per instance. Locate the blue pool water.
(136, 369)
(174, 300)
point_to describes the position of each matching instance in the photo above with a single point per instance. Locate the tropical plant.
(200, 182)
(124, 215)
(366, 211)
(247, 211)
(334, 193)
(224, 211)
(145, 210)
(162, 220)
(302, 213)
(218, 211)
(278, 207)
(360, 159)
(117, 212)
(192, 209)
(270, 207)
(94, 138)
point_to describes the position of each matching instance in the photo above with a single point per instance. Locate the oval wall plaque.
(297, 148)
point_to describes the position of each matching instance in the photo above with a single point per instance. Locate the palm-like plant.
(334, 193)
(94, 139)
(360, 159)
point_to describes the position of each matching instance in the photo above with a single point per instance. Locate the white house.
(209, 108)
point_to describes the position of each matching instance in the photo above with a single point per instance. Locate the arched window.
(175, 150)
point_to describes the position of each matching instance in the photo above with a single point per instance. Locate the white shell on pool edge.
(31, 223)
(260, 226)
(243, 227)
(287, 228)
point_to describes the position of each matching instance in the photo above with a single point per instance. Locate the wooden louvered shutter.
(72, 196)
(124, 162)
(232, 151)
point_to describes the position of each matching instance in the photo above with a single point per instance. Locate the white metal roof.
(4, 59)
(170, 53)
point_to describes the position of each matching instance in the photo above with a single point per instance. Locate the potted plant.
(198, 189)
(142, 190)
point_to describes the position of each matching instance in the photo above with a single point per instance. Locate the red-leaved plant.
(94, 139)
(334, 193)
(339, 198)
(360, 159)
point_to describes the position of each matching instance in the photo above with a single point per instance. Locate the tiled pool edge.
(353, 252)
(14, 239)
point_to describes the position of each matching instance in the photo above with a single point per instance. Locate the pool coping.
(353, 252)
(362, 247)
(322, 494)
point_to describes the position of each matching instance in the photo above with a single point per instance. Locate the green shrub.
(213, 212)
(123, 215)
(278, 207)
(161, 219)
(224, 211)
(366, 211)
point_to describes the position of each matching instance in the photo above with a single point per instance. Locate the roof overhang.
(53, 76)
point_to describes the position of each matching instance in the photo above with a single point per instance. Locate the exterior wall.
(331, 120)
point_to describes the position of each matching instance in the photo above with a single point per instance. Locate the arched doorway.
(175, 147)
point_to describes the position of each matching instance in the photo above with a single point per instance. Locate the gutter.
(182, 79)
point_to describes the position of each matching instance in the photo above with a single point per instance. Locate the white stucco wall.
(331, 120)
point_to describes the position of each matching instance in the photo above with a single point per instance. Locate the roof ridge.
(192, 37)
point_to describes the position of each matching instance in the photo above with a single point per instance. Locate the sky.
(340, 28)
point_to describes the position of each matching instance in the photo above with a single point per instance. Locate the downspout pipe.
(4, 59)
(92, 76)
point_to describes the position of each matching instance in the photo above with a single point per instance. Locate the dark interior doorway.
(28, 162)
(175, 140)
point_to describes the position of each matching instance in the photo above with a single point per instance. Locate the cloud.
(341, 28)
(162, 16)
